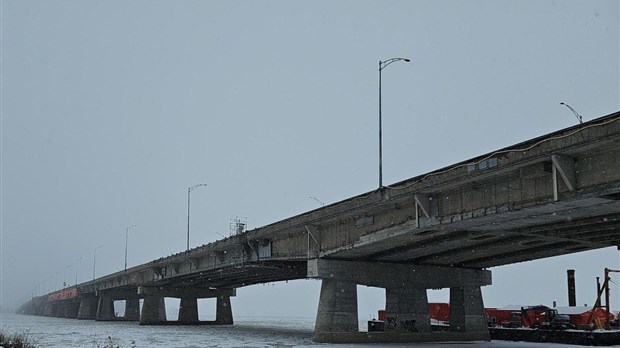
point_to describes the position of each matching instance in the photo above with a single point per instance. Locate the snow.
(247, 332)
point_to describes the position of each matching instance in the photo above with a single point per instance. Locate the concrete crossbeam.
(392, 275)
(184, 292)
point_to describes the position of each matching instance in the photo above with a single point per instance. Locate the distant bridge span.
(553, 195)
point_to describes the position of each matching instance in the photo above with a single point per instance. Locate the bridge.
(553, 195)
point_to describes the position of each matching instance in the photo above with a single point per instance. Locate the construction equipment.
(597, 304)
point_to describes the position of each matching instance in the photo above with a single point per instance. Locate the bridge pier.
(188, 310)
(467, 312)
(337, 310)
(72, 309)
(132, 309)
(153, 311)
(407, 317)
(88, 308)
(153, 308)
(40, 309)
(223, 312)
(60, 310)
(406, 310)
(105, 309)
(49, 309)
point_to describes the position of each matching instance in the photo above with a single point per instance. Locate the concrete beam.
(565, 166)
(118, 294)
(392, 275)
(423, 202)
(184, 292)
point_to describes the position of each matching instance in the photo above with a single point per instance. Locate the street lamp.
(76, 268)
(95, 260)
(383, 65)
(47, 285)
(126, 237)
(55, 286)
(64, 272)
(579, 118)
(189, 190)
(318, 201)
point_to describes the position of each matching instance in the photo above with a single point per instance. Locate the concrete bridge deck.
(553, 195)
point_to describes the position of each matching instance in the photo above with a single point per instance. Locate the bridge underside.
(498, 236)
(241, 274)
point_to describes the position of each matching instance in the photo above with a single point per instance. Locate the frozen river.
(247, 332)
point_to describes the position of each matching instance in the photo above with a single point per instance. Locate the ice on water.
(49, 332)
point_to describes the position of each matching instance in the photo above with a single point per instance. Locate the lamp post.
(76, 269)
(127, 237)
(55, 286)
(64, 272)
(95, 259)
(189, 190)
(46, 285)
(383, 65)
(318, 201)
(579, 118)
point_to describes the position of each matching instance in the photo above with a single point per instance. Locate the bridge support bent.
(407, 316)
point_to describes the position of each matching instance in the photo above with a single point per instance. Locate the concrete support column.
(223, 312)
(49, 309)
(105, 309)
(337, 310)
(153, 311)
(60, 310)
(188, 310)
(88, 308)
(467, 311)
(132, 309)
(72, 309)
(41, 309)
(406, 310)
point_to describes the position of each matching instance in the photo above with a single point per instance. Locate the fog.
(111, 110)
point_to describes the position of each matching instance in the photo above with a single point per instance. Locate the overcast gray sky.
(111, 109)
